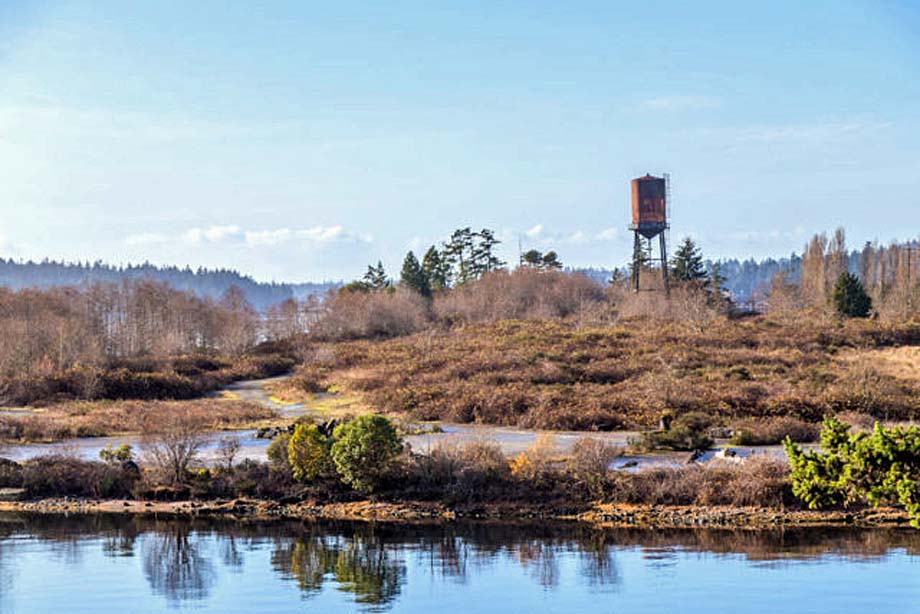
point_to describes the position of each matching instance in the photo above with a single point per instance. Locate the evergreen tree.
(640, 257)
(376, 277)
(716, 284)
(551, 261)
(538, 260)
(532, 258)
(483, 256)
(413, 277)
(850, 297)
(470, 254)
(457, 253)
(436, 270)
(687, 264)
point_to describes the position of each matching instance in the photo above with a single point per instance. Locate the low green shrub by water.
(881, 467)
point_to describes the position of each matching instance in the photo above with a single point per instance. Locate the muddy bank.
(612, 515)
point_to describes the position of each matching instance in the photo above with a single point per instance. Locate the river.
(92, 564)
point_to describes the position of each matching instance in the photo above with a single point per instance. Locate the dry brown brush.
(559, 375)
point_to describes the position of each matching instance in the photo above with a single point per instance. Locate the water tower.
(650, 196)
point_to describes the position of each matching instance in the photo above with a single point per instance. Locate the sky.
(300, 141)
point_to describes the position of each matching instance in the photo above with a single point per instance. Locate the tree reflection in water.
(360, 564)
(174, 566)
(370, 562)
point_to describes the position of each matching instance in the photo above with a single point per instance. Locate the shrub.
(850, 297)
(520, 294)
(10, 474)
(878, 468)
(771, 431)
(66, 476)
(589, 462)
(249, 478)
(172, 443)
(308, 452)
(474, 471)
(757, 482)
(278, 454)
(227, 449)
(363, 450)
(369, 315)
(536, 463)
(686, 432)
(122, 454)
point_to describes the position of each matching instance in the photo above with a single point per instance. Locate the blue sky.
(298, 140)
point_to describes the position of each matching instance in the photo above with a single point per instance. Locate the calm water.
(105, 564)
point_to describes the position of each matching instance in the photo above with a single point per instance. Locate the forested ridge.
(206, 283)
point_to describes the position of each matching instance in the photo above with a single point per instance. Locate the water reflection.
(182, 562)
(360, 564)
(174, 565)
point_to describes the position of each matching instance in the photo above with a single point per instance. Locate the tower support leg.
(664, 264)
(637, 261)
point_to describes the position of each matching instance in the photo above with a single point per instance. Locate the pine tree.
(413, 277)
(687, 264)
(538, 260)
(640, 258)
(850, 297)
(483, 255)
(436, 270)
(551, 261)
(376, 277)
(532, 258)
(457, 252)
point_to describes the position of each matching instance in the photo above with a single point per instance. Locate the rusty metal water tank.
(649, 206)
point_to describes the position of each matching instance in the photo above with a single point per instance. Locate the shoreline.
(415, 512)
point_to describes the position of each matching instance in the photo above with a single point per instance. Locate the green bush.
(877, 468)
(308, 452)
(121, 454)
(688, 432)
(850, 297)
(278, 452)
(363, 450)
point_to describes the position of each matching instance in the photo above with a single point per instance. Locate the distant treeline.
(746, 280)
(206, 283)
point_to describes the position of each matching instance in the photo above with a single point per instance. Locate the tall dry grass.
(101, 419)
(370, 315)
(520, 294)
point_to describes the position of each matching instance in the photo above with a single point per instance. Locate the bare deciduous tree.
(172, 443)
(227, 449)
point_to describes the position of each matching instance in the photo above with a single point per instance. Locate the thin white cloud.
(679, 103)
(817, 132)
(823, 131)
(233, 234)
(579, 237)
(212, 234)
(322, 234)
(608, 234)
(219, 233)
(268, 237)
(539, 236)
